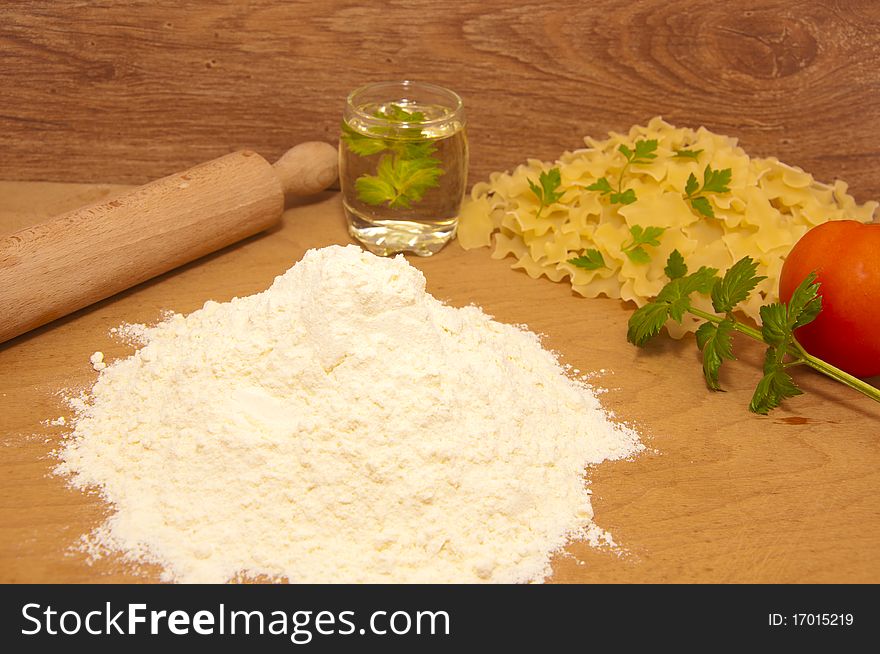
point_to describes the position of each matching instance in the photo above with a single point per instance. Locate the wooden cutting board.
(721, 495)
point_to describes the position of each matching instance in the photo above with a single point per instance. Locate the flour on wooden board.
(342, 426)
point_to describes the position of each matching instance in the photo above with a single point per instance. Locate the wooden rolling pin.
(56, 267)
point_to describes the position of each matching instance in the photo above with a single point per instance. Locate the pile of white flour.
(342, 426)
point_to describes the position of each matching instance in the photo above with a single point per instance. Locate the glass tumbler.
(403, 160)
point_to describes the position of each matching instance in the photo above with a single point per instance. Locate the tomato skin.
(845, 254)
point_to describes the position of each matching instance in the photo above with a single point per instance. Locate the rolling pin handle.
(307, 168)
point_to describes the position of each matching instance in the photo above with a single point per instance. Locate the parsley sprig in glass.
(408, 165)
(403, 166)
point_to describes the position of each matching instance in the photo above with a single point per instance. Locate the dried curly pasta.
(768, 207)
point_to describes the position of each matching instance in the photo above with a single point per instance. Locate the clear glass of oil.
(403, 160)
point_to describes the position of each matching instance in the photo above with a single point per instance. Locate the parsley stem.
(737, 325)
(801, 356)
(836, 373)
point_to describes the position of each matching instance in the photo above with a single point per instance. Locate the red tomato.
(845, 254)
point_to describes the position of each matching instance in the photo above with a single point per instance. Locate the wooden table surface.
(721, 495)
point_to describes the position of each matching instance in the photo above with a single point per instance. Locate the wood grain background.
(128, 91)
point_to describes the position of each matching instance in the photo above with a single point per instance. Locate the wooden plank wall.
(128, 91)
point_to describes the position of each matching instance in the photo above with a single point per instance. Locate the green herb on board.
(715, 336)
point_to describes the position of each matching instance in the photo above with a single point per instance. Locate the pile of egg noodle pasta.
(770, 205)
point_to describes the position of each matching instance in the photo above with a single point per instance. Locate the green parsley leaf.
(716, 181)
(677, 293)
(547, 193)
(675, 265)
(697, 282)
(646, 322)
(692, 185)
(736, 285)
(414, 178)
(645, 150)
(642, 236)
(590, 260)
(805, 303)
(537, 190)
(404, 123)
(374, 190)
(638, 255)
(399, 181)
(775, 386)
(778, 320)
(671, 302)
(362, 144)
(602, 185)
(648, 235)
(716, 344)
(550, 183)
(774, 324)
(702, 206)
(627, 197)
(396, 113)
(701, 281)
(688, 154)
(415, 149)
(408, 167)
